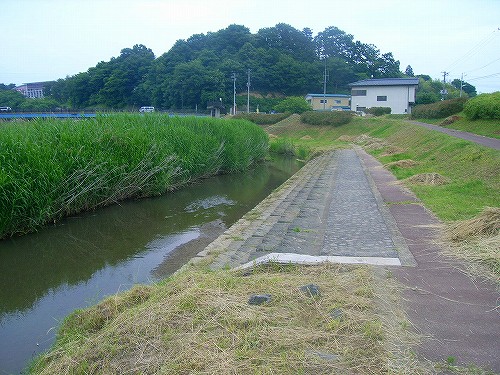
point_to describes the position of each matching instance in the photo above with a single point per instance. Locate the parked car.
(5, 109)
(146, 109)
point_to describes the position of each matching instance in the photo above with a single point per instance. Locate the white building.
(395, 93)
(33, 90)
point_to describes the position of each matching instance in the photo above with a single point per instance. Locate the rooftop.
(328, 95)
(386, 82)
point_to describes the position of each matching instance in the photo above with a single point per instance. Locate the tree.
(409, 71)
(293, 104)
(466, 87)
(333, 42)
(288, 40)
(11, 98)
(282, 60)
(7, 87)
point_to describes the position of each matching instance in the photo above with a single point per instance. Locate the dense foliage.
(293, 104)
(53, 168)
(379, 111)
(335, 118)
(430, 90)
(440, 109)
(282, 60)
(262, 118)
(484, 106)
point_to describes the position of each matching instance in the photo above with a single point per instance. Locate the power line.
(488, 76)
(473, 50)
(484, 66)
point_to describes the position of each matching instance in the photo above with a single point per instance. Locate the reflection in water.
(75, 263)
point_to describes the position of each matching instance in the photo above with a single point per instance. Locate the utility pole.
(461, 84)
(325, 78)
(248, 91)
(444, 92)
(233, 76)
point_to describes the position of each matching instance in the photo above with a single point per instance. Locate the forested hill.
(281, 59)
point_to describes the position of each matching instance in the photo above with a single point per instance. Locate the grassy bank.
(488, 128)
(199, 322)
(472, 171)
(53, 168)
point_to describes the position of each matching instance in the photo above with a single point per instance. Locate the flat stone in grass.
(310, 290)
(337, 314)
(259, 299)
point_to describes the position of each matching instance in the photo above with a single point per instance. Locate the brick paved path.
(332, 210)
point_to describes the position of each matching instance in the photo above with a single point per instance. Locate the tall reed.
(54, 168)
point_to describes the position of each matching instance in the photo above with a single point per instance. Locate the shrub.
(263, 118)
(440, 109)
(484, 106)
(293, 104)
(335, 118)
(379, 111)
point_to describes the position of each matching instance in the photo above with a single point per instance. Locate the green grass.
(488, 128)
(53, 168)
(474, 171)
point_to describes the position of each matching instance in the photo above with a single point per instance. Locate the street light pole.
(233, 76)
(461, 84)
(248, 91)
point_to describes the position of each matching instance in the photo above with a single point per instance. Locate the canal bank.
(80, 260)
(344, 207)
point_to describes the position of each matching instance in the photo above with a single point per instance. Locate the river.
(76, 262)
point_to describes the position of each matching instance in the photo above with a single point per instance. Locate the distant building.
(329, 102)
(32, 90)
(395, 93)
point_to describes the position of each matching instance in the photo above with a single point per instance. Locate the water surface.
(75, 263)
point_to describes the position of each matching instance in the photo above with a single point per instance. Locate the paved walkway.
(345, 207)
(479, 139)
(330, 211)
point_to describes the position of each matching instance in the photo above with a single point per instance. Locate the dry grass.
(485, 224)
(346, 138)
(405, 163)
(393, 150)
(478, 241)
(200, 323)
(370, 143)
(428, 179)
(450, 120)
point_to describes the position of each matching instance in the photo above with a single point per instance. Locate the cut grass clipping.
(478, 239)
(201, 322)
(427, 179)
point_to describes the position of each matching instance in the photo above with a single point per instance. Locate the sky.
(43, 40)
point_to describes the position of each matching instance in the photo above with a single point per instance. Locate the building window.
(382, 98)
(358, 93)
(323, 100)
(337, 102)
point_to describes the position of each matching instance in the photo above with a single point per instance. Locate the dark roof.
(386, 82)
(329, 95)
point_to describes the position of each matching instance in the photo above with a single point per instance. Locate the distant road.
(28, 116)
(479, 139)
(45, 115)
